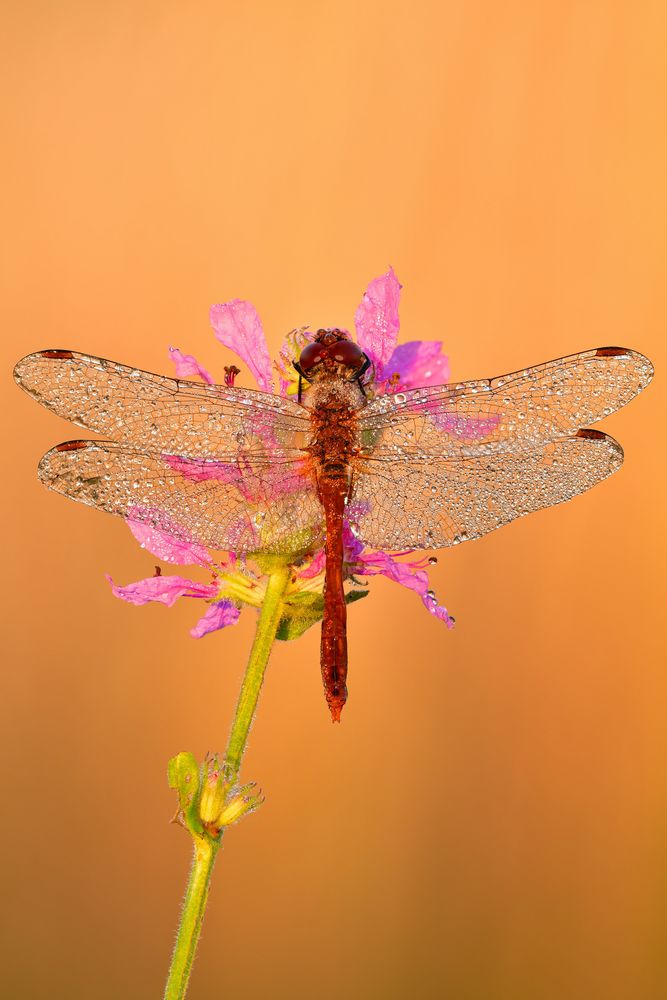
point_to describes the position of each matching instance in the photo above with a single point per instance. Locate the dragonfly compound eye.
(311, 355)
(346, 353)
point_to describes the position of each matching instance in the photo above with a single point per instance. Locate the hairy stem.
(192, 915)
(265, 635)
(205, 846)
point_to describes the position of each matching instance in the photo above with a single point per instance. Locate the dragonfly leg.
(362, 371)
(302, 376)
(364, 368)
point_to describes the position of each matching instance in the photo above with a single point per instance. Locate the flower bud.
(209, 798)
(222, 802)
(240, 802)
(214, 791)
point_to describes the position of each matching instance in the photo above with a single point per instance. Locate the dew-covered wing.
(157, 413)
(430, 503)
(529, 407)
(242, 505)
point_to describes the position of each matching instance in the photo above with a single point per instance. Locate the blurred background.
(489, 821)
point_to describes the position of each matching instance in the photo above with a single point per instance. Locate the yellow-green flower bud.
(240, 802)
(208, 797)
(213, 793)
(222, 802)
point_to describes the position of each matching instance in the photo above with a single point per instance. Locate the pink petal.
(257, 487)
(352, 547)
(239, 474)
(167, 548)
(376, 319)
(238, 327)
(200, 470)
(218, 616)
(418, 363)
(187, 365)
(314, 567)
(165, 589)
(407, 575)
(466, 428)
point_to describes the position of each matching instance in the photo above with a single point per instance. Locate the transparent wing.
(157, 413)
(529, 407)
(248, 505)
(433, 504)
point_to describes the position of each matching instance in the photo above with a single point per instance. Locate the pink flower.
(167, 589)
(410, 574)
(238, 326)
(232, 584)
(412, 365)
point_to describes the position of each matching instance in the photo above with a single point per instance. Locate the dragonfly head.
(328, 353)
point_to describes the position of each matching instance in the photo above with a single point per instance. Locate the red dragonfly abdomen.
(335, 404)
(333, 485)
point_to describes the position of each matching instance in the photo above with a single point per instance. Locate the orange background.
(488, 823)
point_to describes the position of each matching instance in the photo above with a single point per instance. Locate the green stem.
(192, 915)
(206, 847)
(267, 626)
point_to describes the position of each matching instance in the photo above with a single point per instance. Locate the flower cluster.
(209, 798)
(233, 581)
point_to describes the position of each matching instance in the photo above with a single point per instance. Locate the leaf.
(355, 595)
(183, 775)
(303, 610)
(300, 612)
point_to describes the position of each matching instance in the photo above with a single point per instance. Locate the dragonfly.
(246, 471)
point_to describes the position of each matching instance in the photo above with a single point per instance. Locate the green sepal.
(184, 776)
(304, 609)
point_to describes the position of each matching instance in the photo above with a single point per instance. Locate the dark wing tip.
(592, 435)
(612, 352)
(73, 445)
(56, 355)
